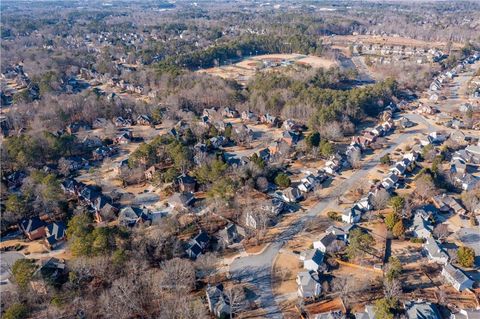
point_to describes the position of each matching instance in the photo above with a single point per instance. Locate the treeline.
(246, 46)
(319, 97)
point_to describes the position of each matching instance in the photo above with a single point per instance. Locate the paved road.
(257, 269)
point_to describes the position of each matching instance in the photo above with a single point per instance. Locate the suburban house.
(229, 113)
(399, 169)
(457, 278)
(474, 151)
(197, 245)
(390, 181)
(421, 309)
(326, 242)
(130, 216)
(340, 232)
(291, 137)
(102, 152)
(427, 211)
(458, 167)
(150, 172)
(77, 127)
(181, 201)
(249, 116)
(466, 314)
(368, 313)
(123, 138)
(33, 228)
(144, 119)
(186, 183)
(274, 206)
(447, 203)
(404, 122)
(291, 125)
(312, 259)
(104, 211)
(365, 203)
(307, 183)
(291, 195)
(218, 302)
(270, 120)
(55, 234)
(51, 270)
(352, 215)
(92, 142)
(434, 252)
(122, 122)
(232, 234)
(436, 138)
(421, 228)
(264, 154)
(468, 182)
(308, 284)
(332, 166)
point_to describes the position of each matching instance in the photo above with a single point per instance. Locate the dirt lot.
(285, 272)
(246, 69)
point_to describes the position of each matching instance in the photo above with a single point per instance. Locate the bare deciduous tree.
(380, 200)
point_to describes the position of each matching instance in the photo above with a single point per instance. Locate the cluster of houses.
(397, 171)
(422, 228)
(92, 198)
(14, 80)
(459, 164)
(362, 142)
(97, 78)
(399, 50)
(414, 309)
(439, 80)
(308, 281)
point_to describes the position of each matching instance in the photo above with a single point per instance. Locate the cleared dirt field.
(247, 68)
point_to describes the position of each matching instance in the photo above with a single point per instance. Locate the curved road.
(257, 269)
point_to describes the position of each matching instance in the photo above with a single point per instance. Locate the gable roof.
(31, 224)
(456, 274)
(56, 232)
(434, 250)
(422, 310)
(314, 255)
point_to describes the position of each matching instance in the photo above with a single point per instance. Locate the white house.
(324, 242)
(421, 228)
(390, 181)
(308, 284)
(352, 215)
(312, 259)
(456, 277)
(291, 195)
(435, 253)
(466, 314)
(399, 168)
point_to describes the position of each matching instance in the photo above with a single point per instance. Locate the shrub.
(282, 180)
(417, 240)
(334, 216)
(466, 256)
(385, 159)
(16, 311)
(22, 271)
(399, 229)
